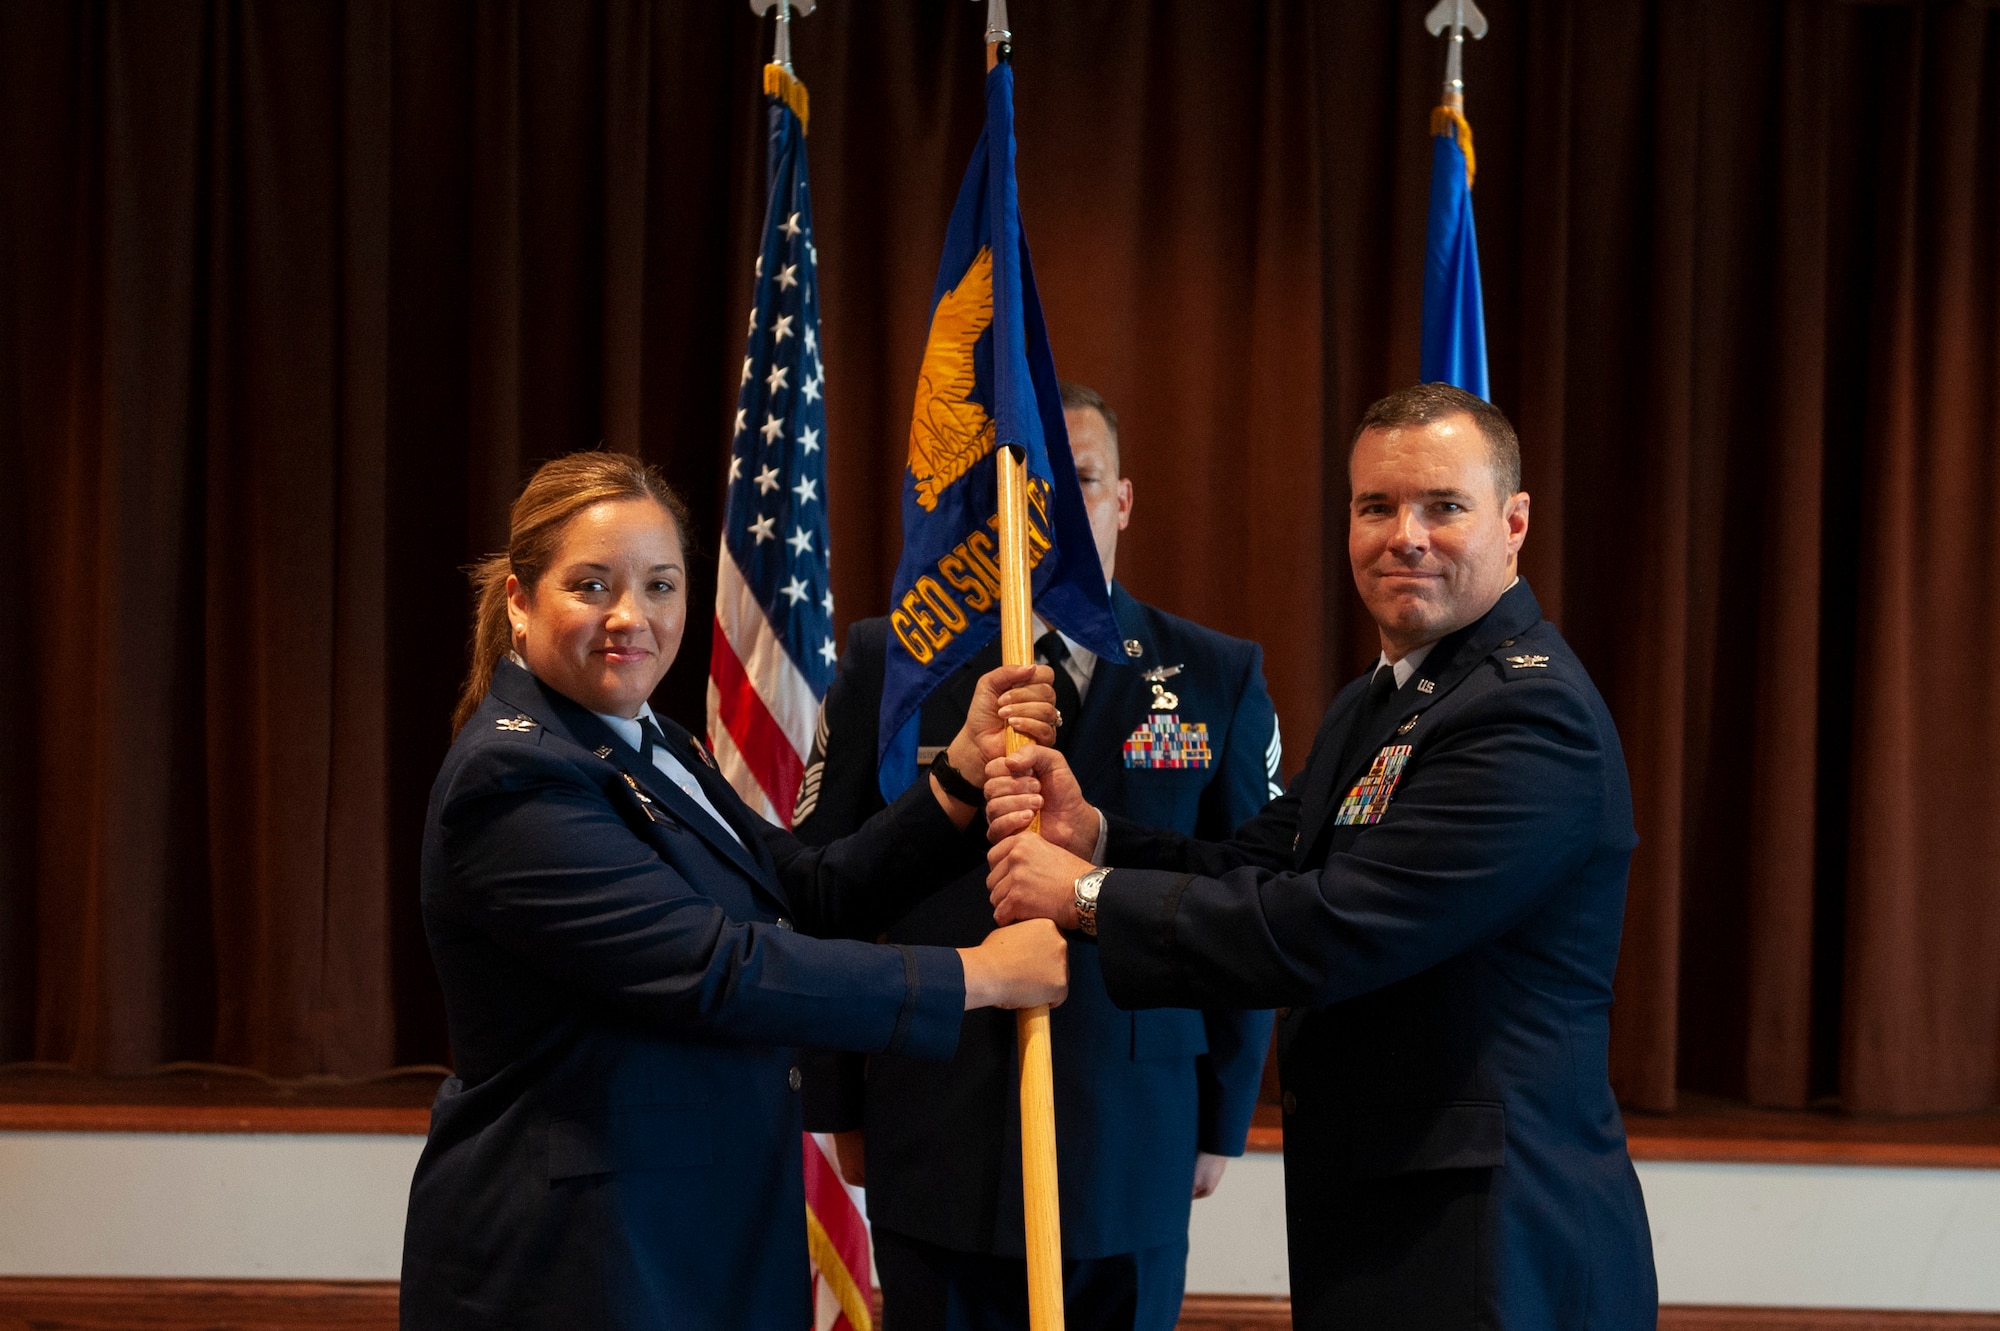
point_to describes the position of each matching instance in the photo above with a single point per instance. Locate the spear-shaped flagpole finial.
(1459, 17)
(781, 44)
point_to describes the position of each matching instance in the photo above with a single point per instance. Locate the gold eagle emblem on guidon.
(950, 433)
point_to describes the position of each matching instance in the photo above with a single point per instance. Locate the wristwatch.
(954, 782)
(1086, 899)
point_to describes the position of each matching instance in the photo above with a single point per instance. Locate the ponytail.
(554, 495)
(492, 635)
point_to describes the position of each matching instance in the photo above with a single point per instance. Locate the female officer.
(628, 952)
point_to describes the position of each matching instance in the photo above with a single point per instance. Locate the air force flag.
(988, 381)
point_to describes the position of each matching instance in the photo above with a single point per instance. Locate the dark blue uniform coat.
(1453, 1154)
(1137, 1093)
(620, 1144)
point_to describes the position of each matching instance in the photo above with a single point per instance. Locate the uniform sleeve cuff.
(933, 1003)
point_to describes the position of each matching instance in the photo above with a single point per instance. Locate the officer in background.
(1179, 733)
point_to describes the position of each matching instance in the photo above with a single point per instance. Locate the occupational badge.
(1165, 741)
(1369, 799)
(1163, 699)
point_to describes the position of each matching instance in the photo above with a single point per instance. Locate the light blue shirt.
(628, 729)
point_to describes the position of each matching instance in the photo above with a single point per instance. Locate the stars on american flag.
(776, 530)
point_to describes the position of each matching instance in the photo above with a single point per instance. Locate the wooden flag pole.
(1041, 1213)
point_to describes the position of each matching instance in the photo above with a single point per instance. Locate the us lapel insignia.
(1427, 686)
(1164, 740)
(603, 750)
(1528, 662)
(1133, 647)
(1163, 699)
(1368, 799)
(517, 725)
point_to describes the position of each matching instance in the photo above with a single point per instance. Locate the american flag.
(774, 653)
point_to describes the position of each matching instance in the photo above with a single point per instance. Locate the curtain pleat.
(293, 296)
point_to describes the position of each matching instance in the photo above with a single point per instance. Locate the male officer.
(1438, 897)
(1179, 732)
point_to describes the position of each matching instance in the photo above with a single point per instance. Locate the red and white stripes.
(760, 708)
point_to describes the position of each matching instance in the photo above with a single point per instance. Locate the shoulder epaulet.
(1519, 659)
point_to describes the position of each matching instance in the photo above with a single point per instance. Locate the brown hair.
(1082, 397)
(1427, 404)
(553, 496)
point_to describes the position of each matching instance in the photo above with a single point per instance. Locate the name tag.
(1165, 741)
(1369, 799)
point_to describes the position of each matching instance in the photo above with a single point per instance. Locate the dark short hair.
(1076, 397)
(1427, 404)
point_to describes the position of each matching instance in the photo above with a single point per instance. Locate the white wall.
(331, 1208)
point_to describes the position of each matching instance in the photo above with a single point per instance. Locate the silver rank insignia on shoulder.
(701, 750)
(1133, 647)
(1528, 662)
(603, 750)
(1427, 686)
(519, 725)
(1163, 699)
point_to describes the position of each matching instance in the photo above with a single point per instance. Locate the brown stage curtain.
(292, 295)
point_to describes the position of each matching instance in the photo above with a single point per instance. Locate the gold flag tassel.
(1451, 120)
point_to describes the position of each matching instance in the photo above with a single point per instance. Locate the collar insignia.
(1427, 686)
(603, 750)
(1528, 662)
(1133, 647)
(519, 725)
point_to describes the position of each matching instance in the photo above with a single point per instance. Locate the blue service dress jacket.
(1136, 1093)
(1439, 903)
(619, 1146)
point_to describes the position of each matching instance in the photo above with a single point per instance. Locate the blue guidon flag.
(988, 381)
(774, 656)
(1454, 328)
